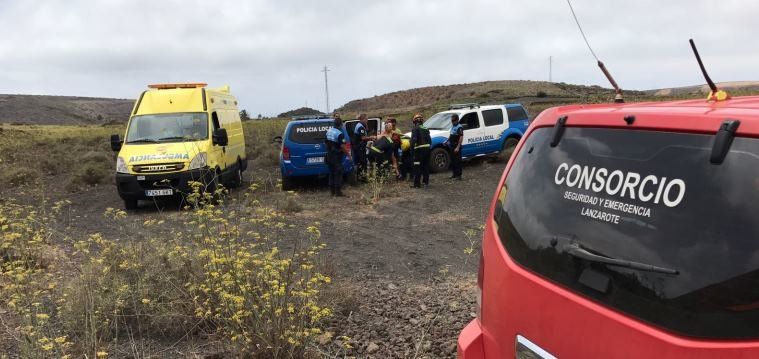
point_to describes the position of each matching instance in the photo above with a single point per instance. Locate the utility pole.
(550, 68)
(326, 86)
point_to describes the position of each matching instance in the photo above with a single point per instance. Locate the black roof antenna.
(715, 94)
(618, 91)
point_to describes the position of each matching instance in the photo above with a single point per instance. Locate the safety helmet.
(418, 118)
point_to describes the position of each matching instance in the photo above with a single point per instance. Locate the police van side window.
(470, 121)
(493, 117)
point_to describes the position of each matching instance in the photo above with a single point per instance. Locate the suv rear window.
(647, 197)
(309, 133)
(516, 113)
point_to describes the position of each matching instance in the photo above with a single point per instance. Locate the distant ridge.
(303, 111)
(479, 92)
(63, 110)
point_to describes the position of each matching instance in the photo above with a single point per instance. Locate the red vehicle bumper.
(470, 341)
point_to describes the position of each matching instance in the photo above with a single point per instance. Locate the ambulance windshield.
(171, 127)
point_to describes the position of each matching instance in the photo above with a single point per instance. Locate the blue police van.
(303, 152)
(489, 130)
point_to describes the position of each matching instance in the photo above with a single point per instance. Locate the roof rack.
(178, 86)
(310, 117)
(457, 106)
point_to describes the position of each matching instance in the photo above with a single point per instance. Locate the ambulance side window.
(470, 121)
(215, 120)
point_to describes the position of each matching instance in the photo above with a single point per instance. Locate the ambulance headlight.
(121, 166)
(199, 161)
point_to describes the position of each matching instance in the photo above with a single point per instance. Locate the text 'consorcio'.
(624, 184)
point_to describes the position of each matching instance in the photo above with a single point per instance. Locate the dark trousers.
(359, 160)
(456, 163)
(421, 166)
(336, 171)
(406, 166)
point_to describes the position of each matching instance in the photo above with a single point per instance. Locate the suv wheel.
(508, 148)
(130, 204)
(440, 159)
(288, 183)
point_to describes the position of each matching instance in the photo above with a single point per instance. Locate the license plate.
(159, 192)
(315, 160)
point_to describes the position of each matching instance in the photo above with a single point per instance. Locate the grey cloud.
(271, 52)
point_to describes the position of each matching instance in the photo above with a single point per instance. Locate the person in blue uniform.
(359, 138)
(455, 138)
(420, 145)
(336, 152)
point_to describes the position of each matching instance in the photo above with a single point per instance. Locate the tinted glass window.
(648, 197)
(470, 120)
(516, 113)
(439, 121)
(492, 117)
(309, 133)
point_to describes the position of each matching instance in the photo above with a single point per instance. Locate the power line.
(582, 32)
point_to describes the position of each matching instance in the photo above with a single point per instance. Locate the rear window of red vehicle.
(647, 197)
(309, 133)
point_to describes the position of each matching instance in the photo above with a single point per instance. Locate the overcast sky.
(271, 52)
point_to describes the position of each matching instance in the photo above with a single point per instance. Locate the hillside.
(303, 111)
(57, 110)
(535, 95)
(421, 99)
(739, 87)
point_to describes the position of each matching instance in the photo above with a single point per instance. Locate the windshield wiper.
(171, 138)
(143, 140)
(575, 250)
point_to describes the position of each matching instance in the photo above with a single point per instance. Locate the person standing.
(359, 138)
(397, 137)
(336, 152)
(455, 138)
(420, 143)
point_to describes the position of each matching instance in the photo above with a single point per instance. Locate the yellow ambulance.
(179, 133)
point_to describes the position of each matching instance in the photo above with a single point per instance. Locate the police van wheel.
(130, 204)
(288, 183)
(440, 159)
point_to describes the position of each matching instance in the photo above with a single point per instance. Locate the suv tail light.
(285, 153)
(480, 280)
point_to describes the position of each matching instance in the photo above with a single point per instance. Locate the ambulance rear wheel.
(237, 177)
(440, 159)
(130, 204)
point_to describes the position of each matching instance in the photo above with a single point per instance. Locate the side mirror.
(277, 140)
(220, 137)
(115, 143)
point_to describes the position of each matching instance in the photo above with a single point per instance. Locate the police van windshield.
(439, 121)
(309, 133)
(648, 197)
(170, 127)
